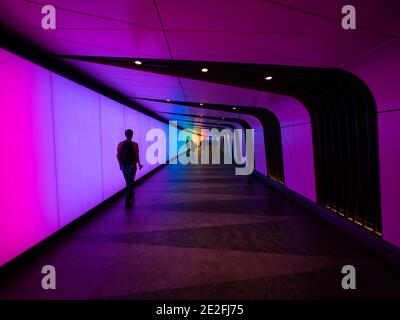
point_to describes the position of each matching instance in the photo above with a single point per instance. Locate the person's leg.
(126, 173)
(132, 175)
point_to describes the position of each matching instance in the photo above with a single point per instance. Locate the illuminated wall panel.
(112, 132)
(155, 124)
(165, 128)
(144, 127)
(132, 122)
(28, 199)
(388, 123)
(305, 161)
(289, 157)
(259, 145)
(78, 148)
(298, 159)
(297, 150)
(259, 151)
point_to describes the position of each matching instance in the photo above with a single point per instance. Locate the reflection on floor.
(200, 232)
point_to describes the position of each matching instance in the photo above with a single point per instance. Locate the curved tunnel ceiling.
(297, 82)
(218, 120)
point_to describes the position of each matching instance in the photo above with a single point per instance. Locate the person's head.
(129, 134)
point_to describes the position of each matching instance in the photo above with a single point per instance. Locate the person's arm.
(119, 153)
(137, 156)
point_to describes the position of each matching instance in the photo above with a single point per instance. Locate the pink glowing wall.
(77, 148)
(59, 151)
(259, 146)
(28, 190)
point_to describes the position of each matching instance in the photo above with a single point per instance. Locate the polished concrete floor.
(200, 232)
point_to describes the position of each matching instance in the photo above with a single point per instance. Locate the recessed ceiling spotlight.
(168, 100)
(138, 62)
(201, 104)
(268, 78)
(234, 108)
(223, 118)
(204, 70)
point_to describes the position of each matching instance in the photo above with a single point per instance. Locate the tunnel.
(301, 112)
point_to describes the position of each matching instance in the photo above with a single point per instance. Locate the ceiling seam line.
(280, 4)
(228, 44)
(364, 54)
(167, 43)
(95, 16)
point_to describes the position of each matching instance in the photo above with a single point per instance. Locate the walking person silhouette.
(128, 159)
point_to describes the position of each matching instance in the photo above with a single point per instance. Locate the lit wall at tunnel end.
(297, 146)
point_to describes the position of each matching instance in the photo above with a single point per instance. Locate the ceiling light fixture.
(138, 62)
(234, 108)
(268, 78)
(204, 70)
(201, 104)
(168, 100)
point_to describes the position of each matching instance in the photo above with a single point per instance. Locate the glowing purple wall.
(259, 146)
(112, 129)
(59, 151)
(389, 157)
(298, 159)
